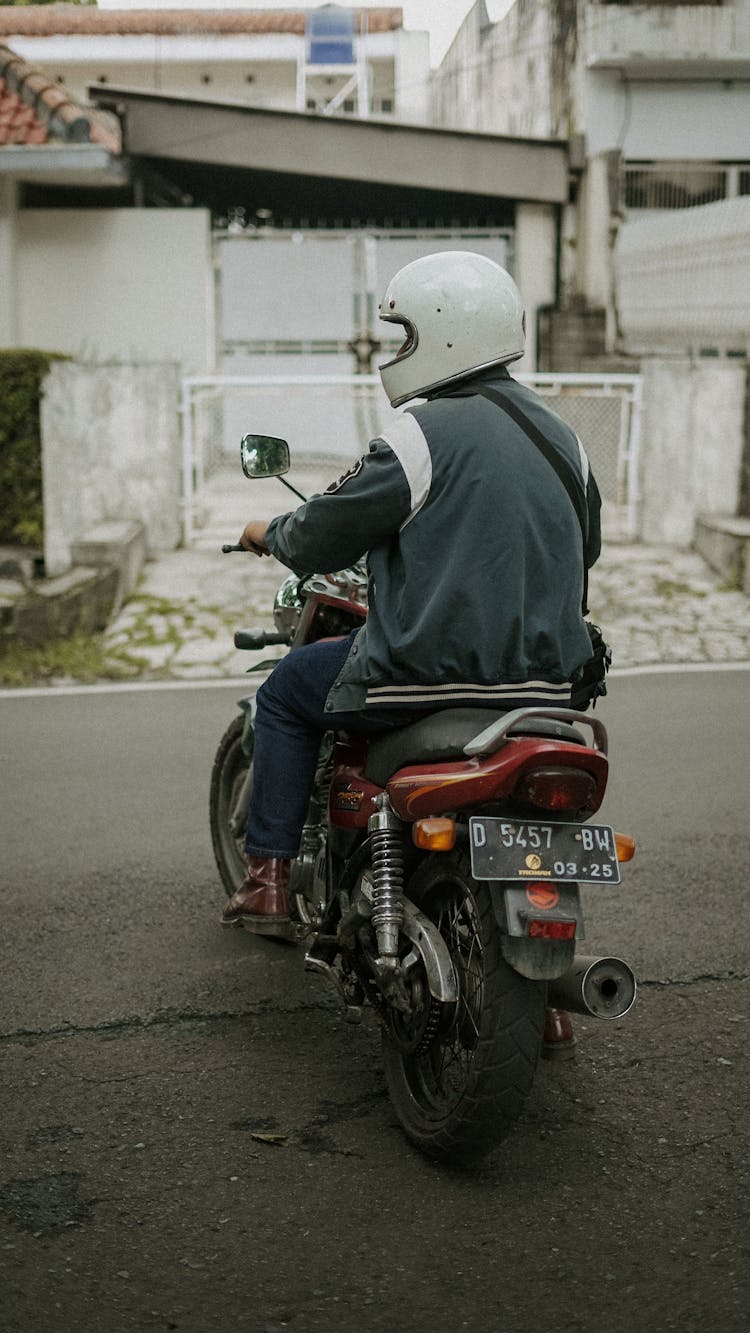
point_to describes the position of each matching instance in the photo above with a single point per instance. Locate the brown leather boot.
(261, 903)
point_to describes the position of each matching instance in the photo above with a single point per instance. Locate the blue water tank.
(330, 36)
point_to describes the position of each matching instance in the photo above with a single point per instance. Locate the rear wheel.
(458, 1094)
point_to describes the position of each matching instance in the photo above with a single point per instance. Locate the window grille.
(682, 185)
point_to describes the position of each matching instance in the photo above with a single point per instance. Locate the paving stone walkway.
(655, 604)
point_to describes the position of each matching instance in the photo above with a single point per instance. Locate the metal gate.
(328, 420)
(300, 338)
(306, 302)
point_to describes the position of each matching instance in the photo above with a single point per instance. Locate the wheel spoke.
(450, 1091)
(443, 1070)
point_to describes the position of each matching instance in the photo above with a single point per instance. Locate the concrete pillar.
(593, 247)
(8, 292)
(535, 265)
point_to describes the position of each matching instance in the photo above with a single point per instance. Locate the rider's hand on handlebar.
(252, 538)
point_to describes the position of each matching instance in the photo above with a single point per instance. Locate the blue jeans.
(290, 721)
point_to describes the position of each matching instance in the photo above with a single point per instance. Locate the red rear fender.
(432, 789)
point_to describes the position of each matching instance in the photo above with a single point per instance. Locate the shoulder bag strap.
(563, 469)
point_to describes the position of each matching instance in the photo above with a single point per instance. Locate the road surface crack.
(166, 1018)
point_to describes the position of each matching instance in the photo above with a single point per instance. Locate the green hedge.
(21, 513)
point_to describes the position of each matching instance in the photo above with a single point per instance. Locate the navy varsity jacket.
(474, 552)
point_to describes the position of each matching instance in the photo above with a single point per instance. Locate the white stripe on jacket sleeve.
(405, 437)
(584, 462)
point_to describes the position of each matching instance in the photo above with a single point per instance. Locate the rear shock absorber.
(385, 833)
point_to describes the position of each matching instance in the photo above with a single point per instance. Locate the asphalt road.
(192, 1139)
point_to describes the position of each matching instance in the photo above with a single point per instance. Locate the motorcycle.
(438, 876)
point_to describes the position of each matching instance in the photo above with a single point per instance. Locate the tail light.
(435, 835)
(550, 928)
(625, 846)
(558, 789)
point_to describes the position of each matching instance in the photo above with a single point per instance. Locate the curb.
(107, 563)
(724, 543)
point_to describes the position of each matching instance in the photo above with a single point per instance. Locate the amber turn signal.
(625, 847)
(435, 835)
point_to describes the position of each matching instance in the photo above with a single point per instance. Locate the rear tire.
(227, 776)
(461, 1096)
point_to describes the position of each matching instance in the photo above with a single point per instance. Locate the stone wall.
(110, 451)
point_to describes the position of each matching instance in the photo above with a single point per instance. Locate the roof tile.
(34, 109)
(18, 123)
(72, 20)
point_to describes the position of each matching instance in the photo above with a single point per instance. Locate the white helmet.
(461, 311)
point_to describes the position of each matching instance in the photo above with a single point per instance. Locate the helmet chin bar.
(451, 379)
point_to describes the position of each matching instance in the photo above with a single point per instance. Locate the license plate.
(518, 849)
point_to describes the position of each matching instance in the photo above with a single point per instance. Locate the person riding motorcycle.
(476, 564)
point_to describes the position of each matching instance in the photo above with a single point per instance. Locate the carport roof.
(338, 148)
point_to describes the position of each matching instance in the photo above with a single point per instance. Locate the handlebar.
(257, 638)
(226, 549)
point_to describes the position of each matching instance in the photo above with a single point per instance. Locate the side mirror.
(264, 456)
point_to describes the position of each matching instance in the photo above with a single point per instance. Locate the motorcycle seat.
(441, 737)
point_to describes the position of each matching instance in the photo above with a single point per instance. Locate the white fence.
(328, 419)
(682, 281)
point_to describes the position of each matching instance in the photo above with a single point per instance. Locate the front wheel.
(231, 786)
(228, 796)
(458, 1094)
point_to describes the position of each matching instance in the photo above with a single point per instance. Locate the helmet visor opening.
(409, 343)
(410, 339)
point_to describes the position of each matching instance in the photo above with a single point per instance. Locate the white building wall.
(455, 84)
(410, 80)
(258, 70)
(516, 74)
(513, 78)
(121, 284)
(498, 79)
(657, 83)
(680, 119)
(667, 32)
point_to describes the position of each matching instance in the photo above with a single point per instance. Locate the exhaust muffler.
(602, 987)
